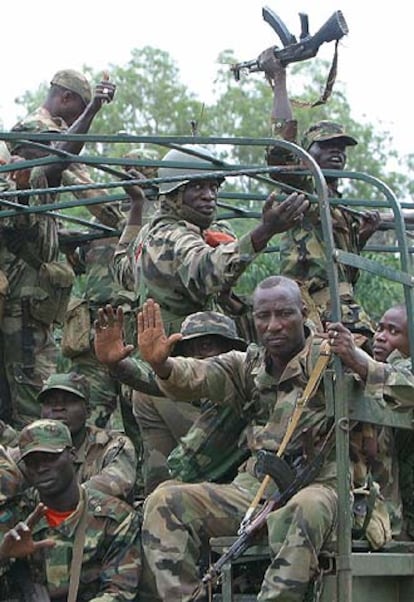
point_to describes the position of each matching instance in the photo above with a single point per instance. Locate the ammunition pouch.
(76, 329)
(268, 463)
(49, 298)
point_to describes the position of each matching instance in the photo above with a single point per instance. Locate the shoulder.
(103, 506)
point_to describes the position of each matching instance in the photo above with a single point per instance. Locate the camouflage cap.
(326, 130)
(51, 436)
(75, 82)
(204, 323)
(67, 381)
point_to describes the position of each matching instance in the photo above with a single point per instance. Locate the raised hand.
(154, 346)
(109, 336)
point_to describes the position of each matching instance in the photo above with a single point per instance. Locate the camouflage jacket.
(76, 174)
(106, 460)
(238, 379)
(111, 554)
(302, 249)
(28, 242)
(182, 272)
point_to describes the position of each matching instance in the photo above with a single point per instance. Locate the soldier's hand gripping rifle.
(304, 478)
(293, 50)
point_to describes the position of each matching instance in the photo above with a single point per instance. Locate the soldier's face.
(50, 473)
(201, 196)
(66, 407)
(279, 319)
(329, 154)
(391, 333)
(205, 346)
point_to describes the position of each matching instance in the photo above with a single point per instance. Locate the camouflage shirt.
(302, 248)
(183, 273)
(238, 378)
(111, 554)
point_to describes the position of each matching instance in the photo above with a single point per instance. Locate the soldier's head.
(391, 334)
(68, 95)
(192, 200)
(326, 142)
(279, 316)
(208, 333)
(47, 454)
(65, 396)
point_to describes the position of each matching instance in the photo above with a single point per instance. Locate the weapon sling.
(312, 385)
(77, 554)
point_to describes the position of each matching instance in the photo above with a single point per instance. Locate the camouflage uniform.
(302, 248)
(42, 121)
(105, 460)
(179, 519)
(111, 554)
(39, 289)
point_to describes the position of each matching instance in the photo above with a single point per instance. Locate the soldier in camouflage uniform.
(68, 95)
(166, 424)
(182, 264)
(39, 284)
(180, 518)
(110, 562)
(302, 249)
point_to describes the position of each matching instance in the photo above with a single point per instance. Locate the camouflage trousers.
(179, 520)
(28, 359)
(162, 423)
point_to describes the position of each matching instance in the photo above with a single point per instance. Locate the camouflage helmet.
(206, 159)
(75, 82)
(45, 435)
(203, 323)
(66, 381)
(326, 130)
(140, 154)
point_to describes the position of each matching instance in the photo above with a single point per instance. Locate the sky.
(39, 38)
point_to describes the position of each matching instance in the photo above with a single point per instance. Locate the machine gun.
(294, 51)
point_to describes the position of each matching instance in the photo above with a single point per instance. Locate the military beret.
(51, 436)
(75, 82)
(67, 381)
(326, 130)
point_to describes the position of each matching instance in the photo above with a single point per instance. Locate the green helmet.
(206, 158)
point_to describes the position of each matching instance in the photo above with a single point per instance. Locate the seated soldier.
(104, 460)
(179, 518)
(166, 424)
(78, 544)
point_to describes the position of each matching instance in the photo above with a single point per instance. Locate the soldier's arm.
(118, 474)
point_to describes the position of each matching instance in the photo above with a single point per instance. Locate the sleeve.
(392, 381)
(204, 270)
(123, 258)
(221, 379)
(121, 564)
(118, 474)
(138, 375)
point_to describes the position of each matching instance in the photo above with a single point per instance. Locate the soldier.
(182, 264)
(80, 544)
(68, 95)
(39, 283)
(180, 518)
(176, 436)
(302, 249)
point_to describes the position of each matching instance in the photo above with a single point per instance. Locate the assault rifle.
(304, 477)
(293, 50)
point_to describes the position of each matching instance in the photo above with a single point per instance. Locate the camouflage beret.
(67, 381)
(75, 82)
(51, 436)
(205, 323)
(326, 130)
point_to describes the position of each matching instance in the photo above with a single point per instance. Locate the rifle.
(304, 477)
(294, 51)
